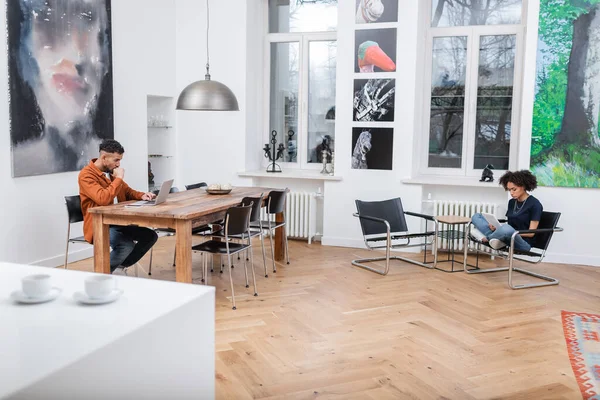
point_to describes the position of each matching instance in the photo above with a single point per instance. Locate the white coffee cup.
(38, 285)
(99, 286)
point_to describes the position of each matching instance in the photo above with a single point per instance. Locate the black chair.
(237, 226)
(384, 221)
(174, 189)
(275, 205)
(256, 203)
(195, 186)
(75, 215)
(543, 234)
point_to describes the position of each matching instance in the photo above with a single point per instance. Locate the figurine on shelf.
(292, 148)
(487, 175)
(326, 145)
(150, 174)
(271, 155)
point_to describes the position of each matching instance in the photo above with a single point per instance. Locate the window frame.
(303, 39)
(473, 34)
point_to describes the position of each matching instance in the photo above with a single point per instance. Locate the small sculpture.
(325, 148)
(270, 153)
(487, 175)
(150, 174)
(291, 142)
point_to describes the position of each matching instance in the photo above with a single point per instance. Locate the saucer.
(20, 297)
(82, 297)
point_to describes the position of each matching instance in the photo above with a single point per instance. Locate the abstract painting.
(565, 144)
(374, 100)
(375, 50)
(60, 83)
(373, 11)
(372, 148)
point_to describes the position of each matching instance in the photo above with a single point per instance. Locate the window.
(472, 72)
(302, 53)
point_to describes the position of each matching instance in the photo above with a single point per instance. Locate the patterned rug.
(582, 333)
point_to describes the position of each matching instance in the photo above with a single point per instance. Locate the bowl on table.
(219, 189)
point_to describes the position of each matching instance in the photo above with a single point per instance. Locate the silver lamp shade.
(207, 95)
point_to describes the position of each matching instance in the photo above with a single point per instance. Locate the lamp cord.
(207, 50)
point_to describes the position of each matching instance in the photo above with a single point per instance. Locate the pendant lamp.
(207, 95)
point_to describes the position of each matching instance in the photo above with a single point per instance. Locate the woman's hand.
(492, 227)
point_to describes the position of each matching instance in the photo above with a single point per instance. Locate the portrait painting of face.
(60, 76)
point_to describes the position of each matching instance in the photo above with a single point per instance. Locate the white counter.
(156, 341)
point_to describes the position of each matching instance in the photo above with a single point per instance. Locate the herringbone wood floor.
(321, 328)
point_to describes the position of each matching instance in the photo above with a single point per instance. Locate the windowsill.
(291, 174)
(451, 181)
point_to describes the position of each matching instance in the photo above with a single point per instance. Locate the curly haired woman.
(524, 212)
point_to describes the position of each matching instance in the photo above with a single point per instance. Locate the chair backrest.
(174, 189)
(237, 220)
(74, 208)
(549, 220)
(256, 206)
(195, 186)
(276, 201)
(391, 210)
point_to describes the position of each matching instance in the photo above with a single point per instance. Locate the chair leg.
(68, 237)
(246, 272)
(287, 252)
(67, 254)
(150, 266)
(174, 255)
(272, 250)
(203, 268)
(252, 268)
(231, 281)
(262, 242)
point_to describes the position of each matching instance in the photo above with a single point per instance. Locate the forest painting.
(565, 147)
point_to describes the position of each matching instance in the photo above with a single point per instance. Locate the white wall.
(33, 210)
(576, 245)
(212, 145)
(340, 228)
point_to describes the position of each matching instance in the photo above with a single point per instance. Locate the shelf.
(291, 174)
(160, 127)
(158, 156)
(451, 181)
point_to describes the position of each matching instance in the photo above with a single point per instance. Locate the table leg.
(183, 268)
(465, 248)
(101, 245)
(279, 244)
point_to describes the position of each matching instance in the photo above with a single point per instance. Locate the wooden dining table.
(182, 212)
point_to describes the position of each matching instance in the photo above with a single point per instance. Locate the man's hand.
(492, 227)
(148, 196)
(119, 173)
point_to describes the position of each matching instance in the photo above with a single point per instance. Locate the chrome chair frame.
(389, 246)
(510, 256)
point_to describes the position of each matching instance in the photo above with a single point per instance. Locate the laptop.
(161, 198)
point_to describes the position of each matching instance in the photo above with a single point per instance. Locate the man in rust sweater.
(128, 243)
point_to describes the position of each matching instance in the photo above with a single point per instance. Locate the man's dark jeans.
(129, 244)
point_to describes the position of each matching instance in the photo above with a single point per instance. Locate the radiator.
(300, 215)
(461, 208)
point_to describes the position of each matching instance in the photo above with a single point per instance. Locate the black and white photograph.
(374, 99)
(372, 148)
(375, 50)
(374, 11)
